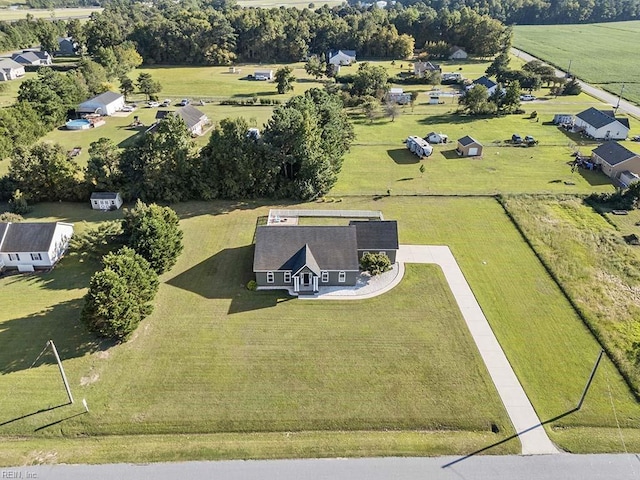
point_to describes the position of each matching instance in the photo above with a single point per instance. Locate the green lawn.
(379, 160)
(8, 14)
(260, 362)
(610, 61)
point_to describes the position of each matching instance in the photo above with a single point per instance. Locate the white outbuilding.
(106, 200)
(106, 103)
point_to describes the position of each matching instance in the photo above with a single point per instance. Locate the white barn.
(106, 103)
(342, 57)
(33, 246)
(106, 200)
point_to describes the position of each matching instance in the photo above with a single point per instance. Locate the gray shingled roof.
(191, 115)
(351, 53)
(613, 153)
(3, 228)
(487, 82)
(104, 196)
(376, 235)
(105, 98)
(7, 63)
(333, 247)
(303, 258)
(467, 140)
(599, 118)
(27, 237)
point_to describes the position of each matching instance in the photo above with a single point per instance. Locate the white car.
(527, 98)
(153, 104)
(128, 108)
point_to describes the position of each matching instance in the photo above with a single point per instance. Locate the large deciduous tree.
(153, 232)
(307, 137)
(370, 80)
(44, 172)
(120, 295)
(148, 86)
(103, 168)
(284, 79)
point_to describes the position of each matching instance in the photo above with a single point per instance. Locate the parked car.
(128, 108)
(153, 104)
(166, 103)
(529, 140)
(184, 102)
(515, 138)
(527, 98)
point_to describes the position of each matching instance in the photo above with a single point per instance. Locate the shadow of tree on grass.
(225, 275)
(24, 339)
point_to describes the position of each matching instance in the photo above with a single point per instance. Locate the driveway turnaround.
(531, 433)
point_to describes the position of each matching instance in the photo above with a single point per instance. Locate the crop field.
(609, 63)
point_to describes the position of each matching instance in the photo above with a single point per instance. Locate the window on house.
(112, 202)
(36, 256)
(14, 256)
(342, 277)
(270, 277)
(287, 277)
(325, 276)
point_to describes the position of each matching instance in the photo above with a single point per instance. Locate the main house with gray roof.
(33, 246)
(304, 258)
(601, 124)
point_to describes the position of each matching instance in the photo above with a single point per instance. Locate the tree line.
(214, 33)
(298, 155)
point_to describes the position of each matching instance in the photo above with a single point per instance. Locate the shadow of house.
(225, 276)
(23, 339)
(594, 177)
(403, 156)
(448, 119)
(450, 154)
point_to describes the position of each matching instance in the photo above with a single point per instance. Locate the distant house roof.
(396, 91)
(30, 56)
(281, 247)
(26, 237)
(599, 118)
(105, 98)
(9, 64)
(349, 53)
(487, 82)
(613, 153)
(467, 140)
(455, 49)
(376, 235)
(104, 195)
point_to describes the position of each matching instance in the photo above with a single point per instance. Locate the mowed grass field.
(9, 14)
(389, 375)
(610, 62)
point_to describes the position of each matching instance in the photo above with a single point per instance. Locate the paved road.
(532, 435)
(548, 467)
(595, 92)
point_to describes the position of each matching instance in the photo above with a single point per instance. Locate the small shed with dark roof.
(29, 246)
(601, 124)
(614, 159)
(377, 237)
(469, 147)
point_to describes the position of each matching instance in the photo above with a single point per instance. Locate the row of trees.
(298, 155)
(218, 34)
(120, 295)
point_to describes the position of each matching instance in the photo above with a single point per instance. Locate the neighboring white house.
(106, 103)
(106, 200)
(398, 96)
(33, 246)
(32, 57)
(420, 68)
(486, 82)
(10, 70)
(263, 74)
(457, 53)
(601, 124)
(342, 57)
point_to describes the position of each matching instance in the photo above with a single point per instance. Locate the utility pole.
(569, 70)
(64, 377)
(615, 110)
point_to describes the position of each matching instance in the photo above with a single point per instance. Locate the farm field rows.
(609, 63)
